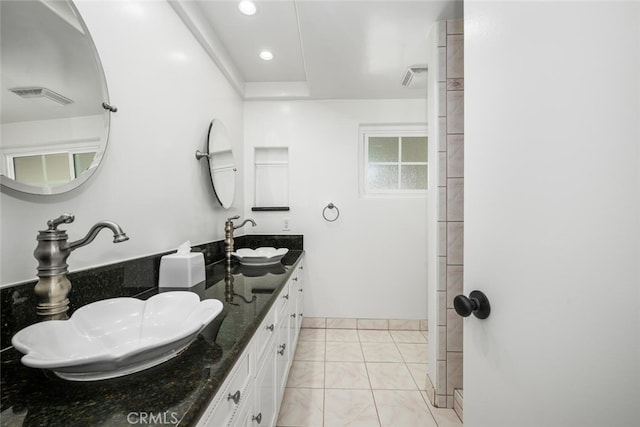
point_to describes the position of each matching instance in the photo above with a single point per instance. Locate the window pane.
(414, 177)
(383, 177)
(81, 162)
(29, 170)
(58, 171)
(414, 149)
(383, 149)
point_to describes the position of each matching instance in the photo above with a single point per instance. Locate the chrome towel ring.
(330, 206)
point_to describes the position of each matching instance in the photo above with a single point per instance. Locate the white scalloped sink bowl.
(117, 336)
(260, 256)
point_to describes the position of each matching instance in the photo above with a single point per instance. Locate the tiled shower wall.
(450, 208)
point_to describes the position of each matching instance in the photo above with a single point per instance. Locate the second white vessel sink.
(117, 336)
(260, 256)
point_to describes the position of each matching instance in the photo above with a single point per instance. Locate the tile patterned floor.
(360, 378)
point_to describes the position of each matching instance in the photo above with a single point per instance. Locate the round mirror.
(53, 126)
(221, 165)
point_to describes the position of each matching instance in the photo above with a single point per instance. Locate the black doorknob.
(477, 303)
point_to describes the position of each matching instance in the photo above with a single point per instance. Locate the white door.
(552, 213)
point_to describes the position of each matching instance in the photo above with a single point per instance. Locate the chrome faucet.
(228, 234)
(52, 252)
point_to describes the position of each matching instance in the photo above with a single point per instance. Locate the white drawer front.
(231, 396)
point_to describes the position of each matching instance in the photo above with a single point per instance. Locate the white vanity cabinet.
(290, 320)
(252, 393)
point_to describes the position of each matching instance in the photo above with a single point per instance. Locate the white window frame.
(68, 148)
(395, 130)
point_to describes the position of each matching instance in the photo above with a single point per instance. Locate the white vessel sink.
(116, 337)
(260, 256)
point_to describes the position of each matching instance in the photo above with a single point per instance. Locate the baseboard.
(365, 324)
(457, 402)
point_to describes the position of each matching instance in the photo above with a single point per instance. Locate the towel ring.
(330, 206)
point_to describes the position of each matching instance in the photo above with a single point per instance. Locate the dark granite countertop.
(174, 393)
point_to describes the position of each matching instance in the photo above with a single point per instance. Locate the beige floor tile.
(314, 322)
(374, 336)
(342, 335)
(352, 408)
(399, 408)
(419, 373)
(414, 337)
(312, 334)
(302, 407)
(444, 417)
(338, 351)
(404, 324)
(380, 352)
(373, 324)
(390, 376)
(310, 350)
(413, 353)
(306, 374)
(334, 323)
(346, 375)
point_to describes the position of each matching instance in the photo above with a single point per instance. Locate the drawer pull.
(293, 315)
(257, 418)
(235, 397)
(285, 296)
(300, 290)
(282, 348)
(270, 327)
(295, 279)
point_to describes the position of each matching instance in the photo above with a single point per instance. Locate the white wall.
(371, 262)
(167, 90)
(552, 209)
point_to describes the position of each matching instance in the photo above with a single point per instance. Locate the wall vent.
(41, 92)
(411, 72)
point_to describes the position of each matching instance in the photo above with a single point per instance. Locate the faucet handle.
(66, 218)
(233, 217)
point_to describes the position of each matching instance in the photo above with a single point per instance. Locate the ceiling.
(323, 49)
(43, 44)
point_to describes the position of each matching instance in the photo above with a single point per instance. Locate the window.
(395, 160)
(46, 167)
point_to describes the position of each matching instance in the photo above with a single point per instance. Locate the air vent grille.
(411, 72)
(41, 92)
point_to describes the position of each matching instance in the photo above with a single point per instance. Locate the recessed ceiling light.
(266, 55)
(247, 7)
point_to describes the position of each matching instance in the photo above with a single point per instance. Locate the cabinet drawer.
(283, 299)
(265, 332)
(232, 394)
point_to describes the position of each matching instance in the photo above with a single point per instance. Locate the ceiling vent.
(41, 92)
(413, 71)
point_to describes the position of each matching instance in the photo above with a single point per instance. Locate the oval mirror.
(53, 126)
(221, 165)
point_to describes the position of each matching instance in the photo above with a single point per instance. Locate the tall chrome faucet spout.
(228, 234)
(118, 234)
(253, 223)
(52, 252)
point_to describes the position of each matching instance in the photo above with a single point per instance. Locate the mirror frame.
(5, 181)
(220, 151)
